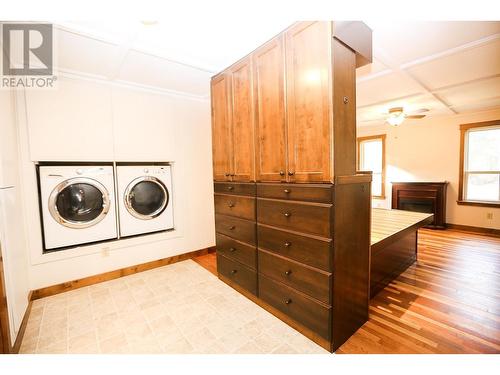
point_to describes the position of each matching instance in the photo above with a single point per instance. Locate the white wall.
(13, 248)
(146, 125)
(429, 150)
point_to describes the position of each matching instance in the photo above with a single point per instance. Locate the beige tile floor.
(179, 308)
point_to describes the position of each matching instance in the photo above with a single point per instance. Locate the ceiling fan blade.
(415, 116)
(421, 110)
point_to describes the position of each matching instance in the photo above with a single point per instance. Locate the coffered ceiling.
(445, 67)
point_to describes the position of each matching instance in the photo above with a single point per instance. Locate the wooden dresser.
(235, 225)
(292, 215)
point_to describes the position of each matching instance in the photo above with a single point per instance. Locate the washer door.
(146, 197)
(79, 202)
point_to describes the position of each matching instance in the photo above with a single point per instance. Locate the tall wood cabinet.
(269, 63)
(292, 214)
(233, 129)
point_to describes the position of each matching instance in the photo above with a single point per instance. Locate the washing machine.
(144, 199)
(77, 204)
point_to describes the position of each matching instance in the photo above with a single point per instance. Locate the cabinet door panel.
(243, 122)
(221, 128)
(309, 129)
(270, 102)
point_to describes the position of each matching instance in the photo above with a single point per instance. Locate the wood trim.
(24, 323)
(478, 204)
(463, 130)
(482, 124)
(358, 161)
(466, 228)
(86, 281)
(283, 317)
(4, 314)
(359, 178)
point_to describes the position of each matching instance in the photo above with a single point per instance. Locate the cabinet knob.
(230, 204)
(282, 173)
(232, 249)
(233, 272)
(230, 188)
(232, 227)
(287, 191)
(288, 273)
(226, 174)
(232, 174)
(287, 244)
(287, 214)
(287, 301)
(290, 173)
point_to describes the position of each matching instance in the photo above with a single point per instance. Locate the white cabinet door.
(71, 122)
(8, 141)
(15, 257)
(144, 125)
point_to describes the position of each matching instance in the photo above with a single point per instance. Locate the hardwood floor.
(447, 302)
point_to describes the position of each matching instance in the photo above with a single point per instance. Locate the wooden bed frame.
(394, 237)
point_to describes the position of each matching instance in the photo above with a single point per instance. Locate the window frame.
(359, 140)
(464, 128)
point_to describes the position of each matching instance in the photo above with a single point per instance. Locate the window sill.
(478, 204)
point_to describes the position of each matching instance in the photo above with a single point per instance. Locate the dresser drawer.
(236, 250)
(313, 218)
(298, 192)
(304, 310)
(239, 229)
(313, 251)
(238, 273)
(239, 188)
(313, 282)
(235, 205)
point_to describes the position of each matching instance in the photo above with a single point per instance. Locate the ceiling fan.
(397, 115)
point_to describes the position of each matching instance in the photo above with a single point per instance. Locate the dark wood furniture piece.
(393, 244)
(292, 215)
(428, 197)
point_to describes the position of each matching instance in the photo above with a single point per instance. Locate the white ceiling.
(447, 67)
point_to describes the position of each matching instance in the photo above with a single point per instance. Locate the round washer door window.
(146, 197)
(79, 202)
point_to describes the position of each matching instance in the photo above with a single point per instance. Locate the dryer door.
(79, 202)
(146, 197)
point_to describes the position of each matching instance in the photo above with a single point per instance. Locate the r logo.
(28, 49)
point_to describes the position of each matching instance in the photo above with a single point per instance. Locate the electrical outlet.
(489, 215)
(105, 251)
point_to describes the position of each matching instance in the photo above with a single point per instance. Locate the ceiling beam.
(387, 61)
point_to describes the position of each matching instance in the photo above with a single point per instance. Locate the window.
(480, 164)
(371, 157)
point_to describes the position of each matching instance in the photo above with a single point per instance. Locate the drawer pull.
(232, 227)
(230, 204)
(291, 173)
(230, 188)
(226, 174)
(287, 244)
(287, 214)
(233, 272)
(288, 273)
(287, 191)
(282, 173)
(232, 249)
(287, 301)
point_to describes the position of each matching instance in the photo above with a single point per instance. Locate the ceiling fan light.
(396, 120)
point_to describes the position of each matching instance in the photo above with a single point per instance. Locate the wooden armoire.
(292, 215)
